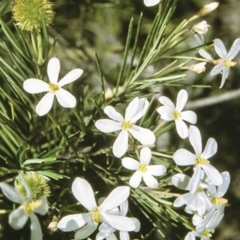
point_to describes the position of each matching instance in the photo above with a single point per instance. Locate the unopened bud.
(208, 8)
(52, 227)
(201, 28)
(198, 68)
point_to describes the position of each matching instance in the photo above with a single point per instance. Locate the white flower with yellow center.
(87, 223)
(150, 3)
(170, 112)
(225, 62)
(183, 157)
(19, 217)
(143, 169)
(135, 110)
(53, 88)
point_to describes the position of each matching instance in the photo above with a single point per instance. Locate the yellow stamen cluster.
(176, 115)
(202, 161)
(53, 87)
(200, 189)
(228, 63)
(142, 168)
(126, 125)
(30, 207)
(27, 14)
(206, 234)
(219, 201)
(96, 217)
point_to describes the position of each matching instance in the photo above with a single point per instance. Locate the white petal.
(201, 206)
(53, 69)
(181, 181)
(150, 180)
(196, 179)
(17, 218)
(183, 157)
(156, 170)
(143, 135)
(137, 224)
(220, 48)
(124, 235)
(140, 111)
(167, 102)
(83, 192)
(115, 198)
(190, 236)
(33, 85)
(43, 208)
(234, 49)
(216, 70)
(124, 208)
(107, 125)
(135, 179)
(70, 77)
(11, 193)
(26, 186)
(210, 149)
(130, 163)
(113, 114)
(189, 116)
(183, 199)
(205, 54)
(166, 113)
(150, 3)
(224, 186)
(131, 109)
(74, 221)
(182, 98)
(225, 73)
(66, 99)
(120, 145)
(213, 174)
(145, 155)
(195, 139)
(120, 223)
(182, 128)
(45, 104)
(36, 231)
(86, 231)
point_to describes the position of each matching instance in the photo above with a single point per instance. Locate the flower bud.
(201, 28)
(27, 14)
(198, 68)
(52, 226)
(208, 8)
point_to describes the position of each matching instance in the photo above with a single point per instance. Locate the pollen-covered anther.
(142, 168)
(53, 87)
(206, 234)
(126, 125)
(96, 217)
(176, 115)
(200, 189)
(228, 63)
(200, 160)
(219, 201)
(30, 207)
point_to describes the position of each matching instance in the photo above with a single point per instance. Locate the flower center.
(176, 115)
(126, 125)
(53, 87)
(202, 161)
(200, 189)
(142, 168)
(96, 217)
(219, 201)
(30, 207)
(206, 234)
(228, 63)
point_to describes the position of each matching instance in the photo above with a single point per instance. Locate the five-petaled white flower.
(87, 223)
(18, 218)
(183, 157)
(143, 170)
(169, 112)
(150, 3)
(135, 110)
(225, 62)
(53, 88)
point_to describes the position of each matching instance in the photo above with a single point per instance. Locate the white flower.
(201, 27)
(135, 110)
(53, 88)
(150, 3)
(170, 112)
(18, 218)
(107, 232)
(143, 169)
(88, 222)
(195, 202)
(198, 67)
(225, 62)
(183, 157)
